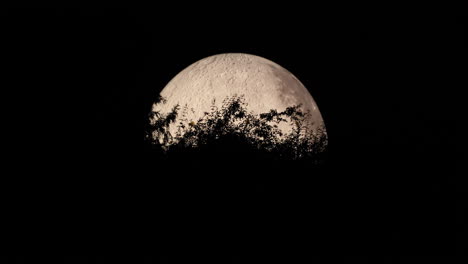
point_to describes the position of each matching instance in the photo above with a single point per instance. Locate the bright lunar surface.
(264, 85)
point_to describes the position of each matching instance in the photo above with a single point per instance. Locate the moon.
(264, 85)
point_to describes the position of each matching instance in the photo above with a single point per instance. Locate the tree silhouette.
(237, 134)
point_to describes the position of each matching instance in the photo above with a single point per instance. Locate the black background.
(384, 78)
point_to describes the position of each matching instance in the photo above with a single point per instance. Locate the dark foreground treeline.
(231, 151)
(231, 134)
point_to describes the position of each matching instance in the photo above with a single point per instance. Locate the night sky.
(384, 79)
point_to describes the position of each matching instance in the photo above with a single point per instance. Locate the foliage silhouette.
(232, 133)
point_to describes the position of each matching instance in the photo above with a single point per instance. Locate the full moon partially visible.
(264, 85)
